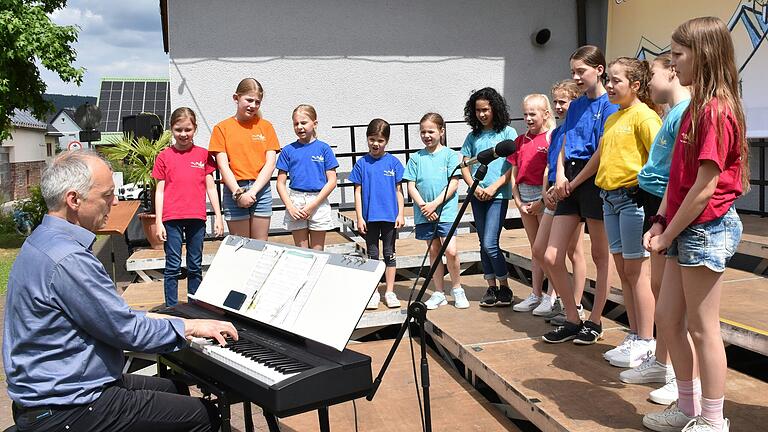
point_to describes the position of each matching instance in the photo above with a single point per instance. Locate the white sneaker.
(665, 395)
(373, 303)
(545, 306)
(672, 419)
(634, 354)
(528, 304)
(700, 424)
(629, 339)
(391, 300)
(460, 298)
(649, 371)
(436, 300)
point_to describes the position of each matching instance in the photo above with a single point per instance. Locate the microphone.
(502, 149)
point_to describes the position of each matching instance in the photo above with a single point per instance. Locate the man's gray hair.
(69, 171)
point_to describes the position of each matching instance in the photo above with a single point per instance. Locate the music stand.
(417, 311)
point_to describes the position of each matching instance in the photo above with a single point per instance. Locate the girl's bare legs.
(563, 227)
(657, 273)
(301, 237)
(259, 227)
(452, 260)
(672, 323)
(531, 225)
(600, 257)
(240, 227)
(578, 262)
(437, 278)
(317, 240)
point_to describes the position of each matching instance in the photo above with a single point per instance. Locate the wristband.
(238, 193)
(659, 219)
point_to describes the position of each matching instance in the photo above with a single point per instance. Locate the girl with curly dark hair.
(486, 113)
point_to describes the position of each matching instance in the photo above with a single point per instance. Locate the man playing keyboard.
(66, 327)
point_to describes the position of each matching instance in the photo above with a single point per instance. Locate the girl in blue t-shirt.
(563, 93)
(312, 167)
(377, 177)
(579, 198)
(438, 204)
(486, 113)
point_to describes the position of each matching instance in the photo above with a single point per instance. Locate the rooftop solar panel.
(120, 97)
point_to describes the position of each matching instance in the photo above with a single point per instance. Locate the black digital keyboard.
(282, 373)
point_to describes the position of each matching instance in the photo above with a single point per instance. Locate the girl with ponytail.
(623, 151)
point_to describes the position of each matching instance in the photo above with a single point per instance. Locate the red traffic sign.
(74, 145)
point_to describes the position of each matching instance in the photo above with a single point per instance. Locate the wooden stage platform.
(743, 321)
(562, 387)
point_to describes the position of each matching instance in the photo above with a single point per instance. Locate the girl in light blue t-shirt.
(436, 204)
(486, 112)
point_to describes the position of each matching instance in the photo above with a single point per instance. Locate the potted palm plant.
(137, 156)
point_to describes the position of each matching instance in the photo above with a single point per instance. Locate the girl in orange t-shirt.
(246, 149)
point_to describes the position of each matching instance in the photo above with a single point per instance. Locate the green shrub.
(6, 223)
(34, 205)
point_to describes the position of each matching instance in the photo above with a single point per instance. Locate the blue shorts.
(710, 244)
(424, 230)
(261, 208)
(623, 222)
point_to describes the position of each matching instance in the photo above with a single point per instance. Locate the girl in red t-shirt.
(697, 224)
(183, 172)
(527, 178)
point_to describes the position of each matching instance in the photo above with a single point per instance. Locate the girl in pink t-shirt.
(184, 176)
(529, 163)
(697, 225)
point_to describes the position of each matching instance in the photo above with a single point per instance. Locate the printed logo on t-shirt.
(318, 158)
(624, 130)
(258, 137)
(389, 173)
(684, 138)
(663, 142)
(200, 165)
(542, 149)
(597, 115)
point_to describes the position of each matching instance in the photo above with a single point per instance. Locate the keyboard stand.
(166, 368)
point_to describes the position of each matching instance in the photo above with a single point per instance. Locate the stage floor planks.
(456, 406)
(564, 387)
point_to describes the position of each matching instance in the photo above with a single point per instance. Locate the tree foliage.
(28, 36)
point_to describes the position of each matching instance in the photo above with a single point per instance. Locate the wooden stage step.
(743, 321)
(563, 387)
(456, 406)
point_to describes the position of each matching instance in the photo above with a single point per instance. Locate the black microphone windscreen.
(505, 148)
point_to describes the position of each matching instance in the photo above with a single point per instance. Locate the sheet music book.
(316, 295)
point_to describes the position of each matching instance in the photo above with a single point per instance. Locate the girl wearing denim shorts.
(312, 167)
(487, 114)
(434, 193)
(697, 225)
(529, 161)
(624, 149)
(245, 147)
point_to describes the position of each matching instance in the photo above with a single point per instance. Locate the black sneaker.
(489, 299)
(589, 333)
(564, 333)
(504, 296)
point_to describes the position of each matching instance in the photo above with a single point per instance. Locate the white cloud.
(116, 39)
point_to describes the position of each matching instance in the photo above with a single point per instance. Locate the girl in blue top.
(377, 177)
(579, 197)
(312, 167)
(428, 184)
(486, 113)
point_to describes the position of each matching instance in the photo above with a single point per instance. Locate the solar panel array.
(120, 98)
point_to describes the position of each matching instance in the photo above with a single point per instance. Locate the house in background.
(63, 132)
(22, 156)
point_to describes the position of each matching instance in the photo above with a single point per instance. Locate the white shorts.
(321, 220)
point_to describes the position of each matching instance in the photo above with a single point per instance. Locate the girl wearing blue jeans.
(184, 177)
(486, 113)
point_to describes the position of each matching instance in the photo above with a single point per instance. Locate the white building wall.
(27, 145)
(356, 60)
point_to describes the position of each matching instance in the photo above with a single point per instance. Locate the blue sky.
(116, 38)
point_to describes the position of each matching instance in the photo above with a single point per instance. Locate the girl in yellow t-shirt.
(245, 147)
(623, 151)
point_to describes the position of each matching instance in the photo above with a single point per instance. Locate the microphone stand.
(417, 311)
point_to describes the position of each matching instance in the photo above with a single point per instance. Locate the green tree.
(27, 36)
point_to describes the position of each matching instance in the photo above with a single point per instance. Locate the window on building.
(27, 178)
(49, 149)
